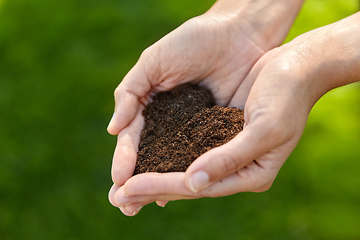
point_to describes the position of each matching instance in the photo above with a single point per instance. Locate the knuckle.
(229, 164)
(264, 187)
(117, 92)
(145, 52)
(116, 179)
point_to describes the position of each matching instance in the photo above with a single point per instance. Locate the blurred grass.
(59, 64)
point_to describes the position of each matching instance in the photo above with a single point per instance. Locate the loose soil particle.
(181, 125)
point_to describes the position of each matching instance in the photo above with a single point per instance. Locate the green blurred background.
(60, 62)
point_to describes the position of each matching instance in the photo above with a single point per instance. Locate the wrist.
(332, 56)
(321, 60)
(265, 22)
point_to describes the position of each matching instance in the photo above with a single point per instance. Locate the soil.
(181, 125)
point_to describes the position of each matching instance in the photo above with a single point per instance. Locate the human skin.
(287, 82)
(217, 50)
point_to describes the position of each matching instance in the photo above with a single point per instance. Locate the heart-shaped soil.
(181, 125)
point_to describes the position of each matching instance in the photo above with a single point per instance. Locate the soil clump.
(181, 125)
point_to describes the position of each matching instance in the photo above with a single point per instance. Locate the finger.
(121, 200)
(171, 186)
(161, 203)
(251, 178)
(255, 140)
(240, 97)
(157, 184)
(111, 194)
(132, 92)
(132, 209)
(125, 154)
(140, 199)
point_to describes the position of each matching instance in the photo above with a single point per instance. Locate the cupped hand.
(276, 111)
(211, 50)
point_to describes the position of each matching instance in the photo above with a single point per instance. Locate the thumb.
(254, 141)
(133, 91)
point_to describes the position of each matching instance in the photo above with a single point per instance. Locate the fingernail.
(125, 205)
(112, 119)
(198, 181)
(137, 210)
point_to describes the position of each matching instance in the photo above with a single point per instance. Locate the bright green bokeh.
(59, 64)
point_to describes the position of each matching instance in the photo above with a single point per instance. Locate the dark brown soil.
(181, 125)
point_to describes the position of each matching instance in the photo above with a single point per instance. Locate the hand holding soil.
(276, 88)
(218, 53)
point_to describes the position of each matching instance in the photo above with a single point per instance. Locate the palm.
(212, 52)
